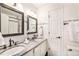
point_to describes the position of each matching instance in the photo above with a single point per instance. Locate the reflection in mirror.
(11, 21)
(31, 25)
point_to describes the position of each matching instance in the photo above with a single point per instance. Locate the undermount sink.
(13, 51)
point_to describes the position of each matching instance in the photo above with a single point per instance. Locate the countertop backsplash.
(15, 38)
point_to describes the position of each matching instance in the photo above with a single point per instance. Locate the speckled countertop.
(32, 44)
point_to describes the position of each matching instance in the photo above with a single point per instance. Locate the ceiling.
(35, 5)
(38, 5)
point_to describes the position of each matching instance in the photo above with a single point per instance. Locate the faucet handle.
(17, 42)
(11, 42)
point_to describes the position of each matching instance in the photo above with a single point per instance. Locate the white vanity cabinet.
(71, 12)
(37, 50)
(41, 49)
(30, 53)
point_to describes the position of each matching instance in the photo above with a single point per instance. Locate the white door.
(56, 31)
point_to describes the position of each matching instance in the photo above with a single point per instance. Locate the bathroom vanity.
(36, 47)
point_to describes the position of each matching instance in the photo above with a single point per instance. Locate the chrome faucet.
(11, 42)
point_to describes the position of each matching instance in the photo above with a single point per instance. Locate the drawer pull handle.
(58, 37)
(69, 49)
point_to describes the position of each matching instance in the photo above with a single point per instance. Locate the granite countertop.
(32, 44)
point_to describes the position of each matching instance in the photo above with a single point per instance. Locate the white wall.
(43, 21)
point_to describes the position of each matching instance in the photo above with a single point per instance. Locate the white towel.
(1, 40)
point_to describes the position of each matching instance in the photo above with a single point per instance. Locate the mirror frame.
(28, 24)
(17, 11)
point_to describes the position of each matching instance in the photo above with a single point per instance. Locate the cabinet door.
(43, 48)
(30, 53)
(37, 51)
(40, 50)
(71, 12)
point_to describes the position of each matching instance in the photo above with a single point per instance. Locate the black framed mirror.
(31, 25)
(11, 21)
